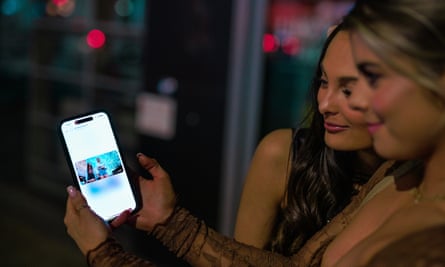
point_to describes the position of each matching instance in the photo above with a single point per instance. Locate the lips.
(334, 128)
(374, 127)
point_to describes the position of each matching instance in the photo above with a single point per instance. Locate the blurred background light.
(124, 8)
(270, 43)
(291, 46)
(95, 38)
(10, 7)
(60, 2)
(167, 85)
(62, 8)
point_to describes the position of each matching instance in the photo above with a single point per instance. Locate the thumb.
(151, 165)
(76, 199)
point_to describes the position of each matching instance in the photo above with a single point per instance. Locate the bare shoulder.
(264, 188)
(271, 161)
(276, 144)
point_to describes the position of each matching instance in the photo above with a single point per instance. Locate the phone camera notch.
(83, 120)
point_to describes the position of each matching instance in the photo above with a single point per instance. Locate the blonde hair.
(410, 30)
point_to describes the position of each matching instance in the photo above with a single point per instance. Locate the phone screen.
(97, 164)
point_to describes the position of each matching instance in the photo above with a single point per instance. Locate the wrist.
(90, 254)
(167, 219)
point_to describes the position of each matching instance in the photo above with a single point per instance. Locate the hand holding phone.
(96, 163)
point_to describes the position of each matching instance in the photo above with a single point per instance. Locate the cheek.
(379, 103)
(354, 117)
(384, 99)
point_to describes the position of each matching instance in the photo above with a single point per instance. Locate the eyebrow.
(362, 66)
(341, 80)
(347, 79)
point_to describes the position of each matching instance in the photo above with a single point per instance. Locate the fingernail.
(71, 191)
(139, 155)
(126, 212)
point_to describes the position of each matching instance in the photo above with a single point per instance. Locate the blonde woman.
(399, 46)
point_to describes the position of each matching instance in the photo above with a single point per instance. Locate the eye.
(323, 82)
(371, 77)
(346, 85)
(346, 91)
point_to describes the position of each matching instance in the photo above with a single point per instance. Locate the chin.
(339, 145)
(391, 152)
(335, 143)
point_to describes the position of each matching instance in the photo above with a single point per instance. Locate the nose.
(360, 97)
(326, 101)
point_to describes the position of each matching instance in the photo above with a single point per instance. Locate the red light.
(270, 43)
(60, 2)
(291, 46)
(96, 38)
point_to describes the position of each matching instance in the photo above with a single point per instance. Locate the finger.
(132, 219)
(121, 219)
(69, 210)
(151, 165)
(76, 200)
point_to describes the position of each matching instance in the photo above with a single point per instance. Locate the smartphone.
(96, 163)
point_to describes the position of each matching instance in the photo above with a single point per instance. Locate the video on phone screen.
(98, 167)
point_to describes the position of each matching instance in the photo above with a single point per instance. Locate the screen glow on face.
(98, 165)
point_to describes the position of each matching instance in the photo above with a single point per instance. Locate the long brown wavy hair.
(321, 181)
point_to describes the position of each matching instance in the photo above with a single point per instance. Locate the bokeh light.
(291, 46)
(62, 8)
(96, 38)
(10, 7)
(124, 8)
(60, 2)
(270, 43)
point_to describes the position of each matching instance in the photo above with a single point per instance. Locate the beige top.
(387, 180)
